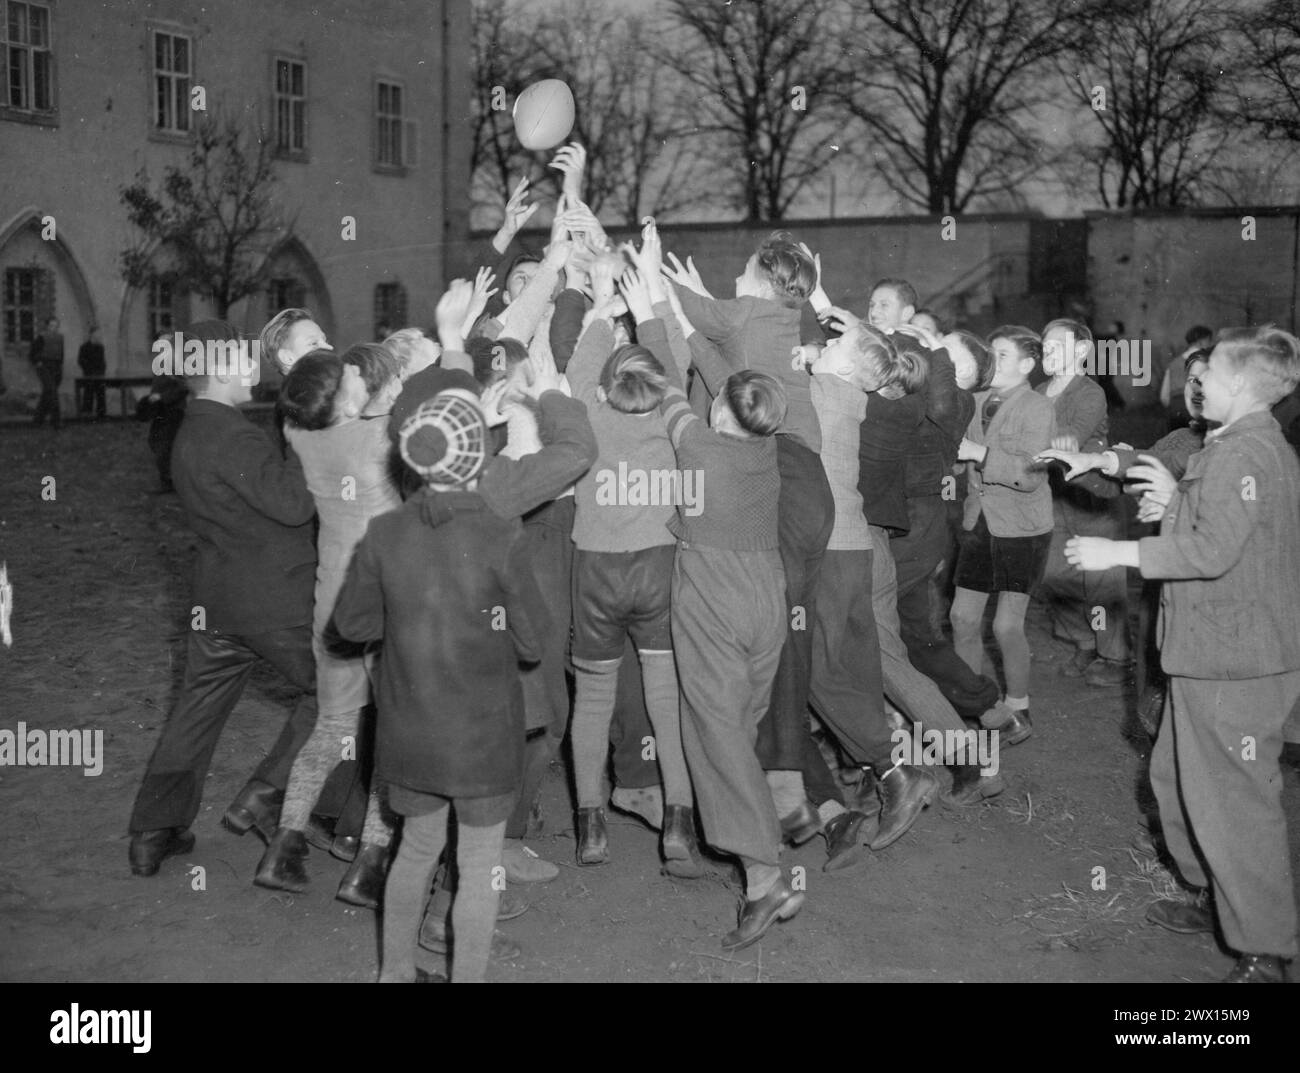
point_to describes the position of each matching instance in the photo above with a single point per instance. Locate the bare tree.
(1154, 77)
(628, 115)
(761, 74)
(211, 225)
(1271, 100)
(947, 91)
(504, 65)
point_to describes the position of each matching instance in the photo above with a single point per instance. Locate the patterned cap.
(445, 440)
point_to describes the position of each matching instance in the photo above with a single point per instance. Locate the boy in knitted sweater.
(728, 616)
(623, 569)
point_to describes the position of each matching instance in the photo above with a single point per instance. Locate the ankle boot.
(593, 840)
(904, 792)
(281, 866)
(969, 787)
(363, 885)
(681, 851)
(257, 808)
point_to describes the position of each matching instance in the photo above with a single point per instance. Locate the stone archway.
(36, 259)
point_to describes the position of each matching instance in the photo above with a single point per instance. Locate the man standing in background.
(47, 356)
(90, 359)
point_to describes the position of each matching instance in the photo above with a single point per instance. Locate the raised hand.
(543, 374)
(518, 211)
(839, 319)
(482, 291)
(571, 160)
(819, 298)
(580, 220)
(452, 309)
(686, 275)
(635, 288)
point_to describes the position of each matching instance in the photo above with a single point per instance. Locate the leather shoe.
(281, 866)
(434, 938)
(257, 808)
(779, 903)
(680, 848)
(149, 849)
(1258, 969)
(363, 885)
(524, 865)
(845, 842)
(969, 787)
(801, 824)
(593, 839)
(904, 792)
(1185, 917)
(1016, 729)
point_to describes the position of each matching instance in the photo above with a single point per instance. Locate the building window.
(284, 292)
(173, 66)
(28, 57)
(395, 136)
(390, 308)
(162, 309)
(290, 96)
(22, 289)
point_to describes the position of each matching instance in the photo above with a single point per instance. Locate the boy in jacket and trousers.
(1230, 642)
(254, 582)
(447, 584)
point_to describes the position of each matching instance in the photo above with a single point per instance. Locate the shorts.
(617, 593)
(988, 563)
(471, 811)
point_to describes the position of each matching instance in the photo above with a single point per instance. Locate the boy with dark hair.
(47, 356)
(253, 586)
(90, 360)
(1230, 643)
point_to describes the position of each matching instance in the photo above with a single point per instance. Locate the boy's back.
(252, 513)
(446, 583)
(760, 334)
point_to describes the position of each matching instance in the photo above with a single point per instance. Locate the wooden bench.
(123, 384)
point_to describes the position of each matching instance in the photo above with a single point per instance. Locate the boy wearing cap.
(446, 583)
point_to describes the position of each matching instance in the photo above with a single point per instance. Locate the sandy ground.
(1001, 892)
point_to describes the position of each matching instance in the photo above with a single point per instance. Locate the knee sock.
(829, 809)
(759, 878)
(787, 791)
(967, 617)
(1009, 629)
(423, 839)
(596, 686)
(376, 831)
(663, 704)
(313, 764)
(474, 913)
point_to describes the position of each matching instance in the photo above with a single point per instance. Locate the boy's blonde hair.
(895, 370)
(1268, 357)
(634, 380)
(402, 344)
(276, 331)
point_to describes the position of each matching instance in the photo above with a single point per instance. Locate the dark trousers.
(216, 668)
(546, 686)
(162, 433)
(51, 375)
(917, 555)
(805, 518)
(346, 792)
(94, 395)
(847, 684)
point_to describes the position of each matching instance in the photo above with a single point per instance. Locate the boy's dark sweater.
(447, 584)
(948, 410)
(249, 506)
(740, 483)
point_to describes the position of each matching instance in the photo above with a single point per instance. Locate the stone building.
(365, 102)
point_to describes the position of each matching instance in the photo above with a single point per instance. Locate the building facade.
(366, 106)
